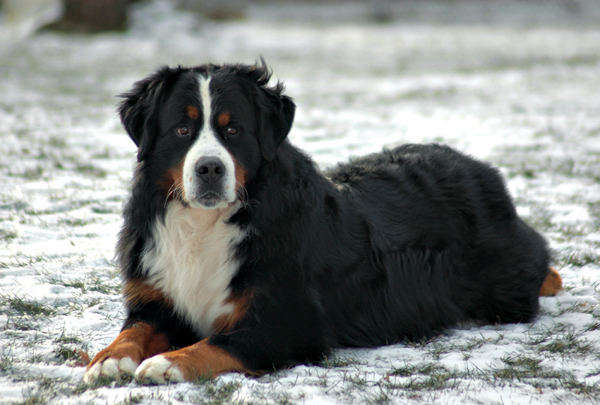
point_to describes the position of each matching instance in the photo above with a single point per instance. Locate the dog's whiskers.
(241, 192)
(176, 186)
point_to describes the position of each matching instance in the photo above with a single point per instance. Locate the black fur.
(392, 246)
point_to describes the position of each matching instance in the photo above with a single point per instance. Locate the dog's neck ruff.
(190, 258)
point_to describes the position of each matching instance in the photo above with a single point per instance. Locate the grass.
(7, 236)
(523, 368)
(381, 397)
(576, 307)
(593, 326)
(579, 259)
(32, 173)
(339, 361)
(35, 399)
(75, 284)
(6, 361)
(221, 394)
(526, 367)
(21, 324)
(425, 377)
(211, 392)
(76, 222)
(45, 390)
(412, 369)
(67, 354)
(68, 339)
(570, 345)
(517, 368)
(97, 283)
(582, 388)
(26, 307)
(91, 170)
(100, 209)
(25, 261)
(131, 400)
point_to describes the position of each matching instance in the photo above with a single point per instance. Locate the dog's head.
(203, 132)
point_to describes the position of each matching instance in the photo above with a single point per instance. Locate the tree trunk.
(217, 9)
(92, 16)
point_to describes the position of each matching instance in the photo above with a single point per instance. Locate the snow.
(516, 86)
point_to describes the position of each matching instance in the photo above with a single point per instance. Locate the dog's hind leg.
(552, 284)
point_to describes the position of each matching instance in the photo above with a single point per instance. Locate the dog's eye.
(232, 131)
(183, 131)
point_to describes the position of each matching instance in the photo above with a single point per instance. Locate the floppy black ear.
(138, 111)
(278, 116)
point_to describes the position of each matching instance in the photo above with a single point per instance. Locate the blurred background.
(387, 68)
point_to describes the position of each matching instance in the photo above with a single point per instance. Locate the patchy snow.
(516, 86)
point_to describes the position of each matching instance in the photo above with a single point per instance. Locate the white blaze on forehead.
(207, 144)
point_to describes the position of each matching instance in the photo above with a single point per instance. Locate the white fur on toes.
(158, 370)
(128, 366)
(92, 374)
(110, 367)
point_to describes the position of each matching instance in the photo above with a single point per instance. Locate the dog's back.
(444, 244)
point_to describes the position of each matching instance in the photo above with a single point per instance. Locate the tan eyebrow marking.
(192, 112)
(224, 118)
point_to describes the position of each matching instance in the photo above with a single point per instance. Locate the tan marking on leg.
(224, 323)
(138, 292)
(552, 284)
(138, 342)
(205, 360)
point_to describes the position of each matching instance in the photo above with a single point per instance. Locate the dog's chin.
(209, 201)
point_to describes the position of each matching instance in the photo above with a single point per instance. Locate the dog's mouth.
(207, 198)
(210, 199)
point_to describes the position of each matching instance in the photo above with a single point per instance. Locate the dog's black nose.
(210, 169)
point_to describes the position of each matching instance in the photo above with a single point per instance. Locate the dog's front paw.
(110, 367)
(158, 370)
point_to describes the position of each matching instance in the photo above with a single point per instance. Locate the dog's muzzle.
(210, 172)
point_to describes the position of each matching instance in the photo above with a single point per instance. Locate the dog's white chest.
(191, 262)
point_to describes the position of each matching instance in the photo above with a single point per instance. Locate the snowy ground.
(516, 85)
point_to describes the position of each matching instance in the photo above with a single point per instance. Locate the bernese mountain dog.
(239, 254)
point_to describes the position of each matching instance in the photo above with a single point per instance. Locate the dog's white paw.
(110, 367)
(158, 370)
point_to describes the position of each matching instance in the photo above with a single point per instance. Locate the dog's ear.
(139, 110)
(277, 117)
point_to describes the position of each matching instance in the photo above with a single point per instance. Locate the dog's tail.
(552, 284)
